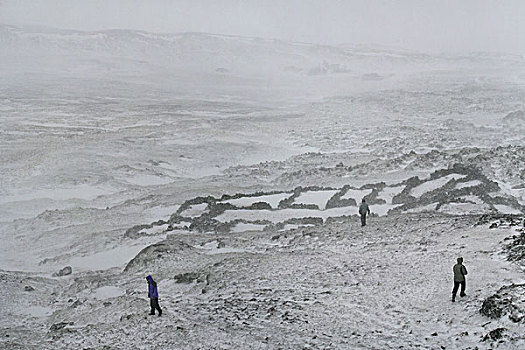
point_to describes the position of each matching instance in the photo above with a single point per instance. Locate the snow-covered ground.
(358, 195)
(272, 199)
(335, 285)
(317, 198)
(126, 153)
(434, 184)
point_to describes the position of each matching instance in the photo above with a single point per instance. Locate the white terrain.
(231, 168)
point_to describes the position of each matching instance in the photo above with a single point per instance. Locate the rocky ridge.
(459, 189)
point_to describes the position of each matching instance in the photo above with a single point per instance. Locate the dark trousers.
(456, 286)
(363, 219)
(154, 303)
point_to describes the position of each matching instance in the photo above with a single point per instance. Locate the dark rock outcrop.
(154, 252)
(508, 300)
(495, 334)
(68, 270)
(501, 219)
(133, 231)
(190, 277)
(59, 325)
(260, 206)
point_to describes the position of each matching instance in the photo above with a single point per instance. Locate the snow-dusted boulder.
(68, 270)
(508, 300)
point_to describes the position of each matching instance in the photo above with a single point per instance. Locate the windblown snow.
(231, 170)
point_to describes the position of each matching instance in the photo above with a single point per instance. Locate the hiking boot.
(151, 313)
(463, 295)
(160, 313)
(453, 299)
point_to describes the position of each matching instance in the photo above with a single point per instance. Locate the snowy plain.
(109, 139)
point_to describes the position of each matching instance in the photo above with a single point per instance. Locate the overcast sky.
(423, 25)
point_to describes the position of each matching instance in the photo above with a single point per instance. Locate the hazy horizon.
(429, 26)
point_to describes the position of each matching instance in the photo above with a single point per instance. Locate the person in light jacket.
(153, 295)
(460, 271)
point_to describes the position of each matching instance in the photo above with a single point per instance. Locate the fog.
(232, 169)
(429, 26)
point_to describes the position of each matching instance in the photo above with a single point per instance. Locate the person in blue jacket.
(153, 295)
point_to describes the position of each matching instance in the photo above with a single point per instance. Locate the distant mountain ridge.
(224, 52)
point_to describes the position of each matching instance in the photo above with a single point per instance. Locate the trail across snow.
(336, 286)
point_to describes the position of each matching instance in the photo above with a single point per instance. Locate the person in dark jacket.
(363, 210)
(153, 295)
(459, 279)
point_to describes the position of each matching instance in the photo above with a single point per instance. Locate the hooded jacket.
(459, 271)
(363, 209)
(152, 288)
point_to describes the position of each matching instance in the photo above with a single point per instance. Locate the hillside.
(334, 285)
(230, 168)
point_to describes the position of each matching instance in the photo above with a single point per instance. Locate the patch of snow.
(388, 193)
(358, 195)
(195, 210)
(107, 259)
(213, 248)
(160, 213)
(87, 192)
(429, 207)
(472, 198)
(464, 208)
(289, 227)
(505, 209)
(272, 199)
(283, 215)
(518, 193)
(108, 292)
(209, 245)
(242, 227)
(228, 250)
(155, 229)
(319, 198)
(276, 216)
(148, 180)
(468, 184)
(36, 311)
(382, 209)
(181, 224)
(431, 185)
